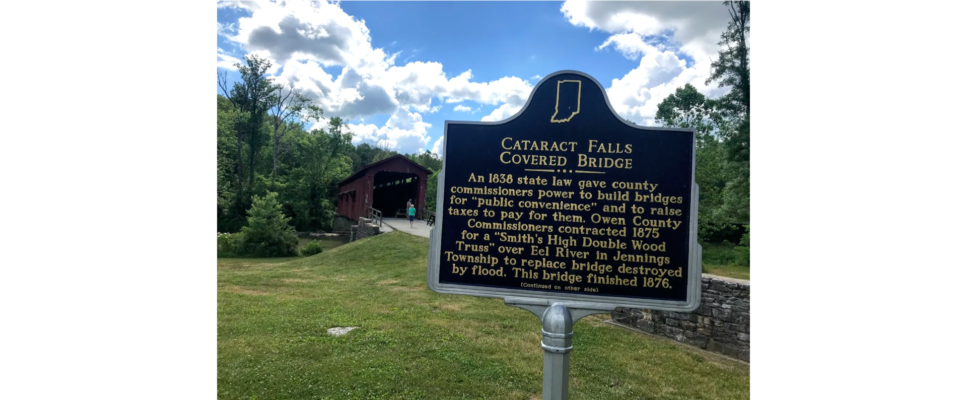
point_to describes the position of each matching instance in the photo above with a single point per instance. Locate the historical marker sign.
(567, 201)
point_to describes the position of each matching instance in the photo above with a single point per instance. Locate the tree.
(687, 108)
(264, 147)
(742, 250)
(230, 219)
(737, 193)
(382, 154)
(286, 106)
(365, 154)
(427, 160)
(431, 189)
(253, 95)
(268, 233)
(335, 142)
(732, 67)
(362, 156)
(322, 162)
(225, 148)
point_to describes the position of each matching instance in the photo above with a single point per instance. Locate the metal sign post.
(557, 329)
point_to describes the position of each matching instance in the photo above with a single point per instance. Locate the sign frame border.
(587, 301)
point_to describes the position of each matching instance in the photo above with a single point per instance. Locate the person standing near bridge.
(412, 213)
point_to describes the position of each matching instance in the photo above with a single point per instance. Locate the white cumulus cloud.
(438, 146)
(226, 30)
(656, 33)
(328, 55)
(462, 108)
(693, 22)
(503, 112)
(404, 130)
(226, 61)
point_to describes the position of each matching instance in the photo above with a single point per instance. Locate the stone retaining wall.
(364, 229)
(720, 324)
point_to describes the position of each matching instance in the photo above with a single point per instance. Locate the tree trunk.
(239, 170)
(251, 158)
(275, 158)
(744, 63)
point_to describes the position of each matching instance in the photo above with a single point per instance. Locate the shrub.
(718, 253)
(718, 232)
(743, 255)
(228, 244)
(268, 233)
(312, 248)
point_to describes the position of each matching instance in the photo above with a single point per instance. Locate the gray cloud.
(375, 100)
(327, 43)
(690, 19)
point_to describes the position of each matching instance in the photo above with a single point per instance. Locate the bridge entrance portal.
(391, 191)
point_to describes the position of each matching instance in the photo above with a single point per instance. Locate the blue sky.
(395, 71)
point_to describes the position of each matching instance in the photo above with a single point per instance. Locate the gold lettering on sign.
(533, 222)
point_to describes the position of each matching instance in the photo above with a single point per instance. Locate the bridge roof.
(375, 165)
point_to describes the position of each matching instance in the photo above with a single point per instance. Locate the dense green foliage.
(745, 237)
(264, 146)
(365, 154)
(722, 127)
(311, 248)
(743, 249)
(228, 244)
(431, 189)
(428, 160)
(725, 259)
(268, 233)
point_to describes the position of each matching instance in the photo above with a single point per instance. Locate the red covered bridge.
(385, 185)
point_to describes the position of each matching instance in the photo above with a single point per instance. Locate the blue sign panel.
(568, 201)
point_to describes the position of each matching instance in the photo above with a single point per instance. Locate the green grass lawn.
(730, 271)
(720, 259)
(413, 343)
